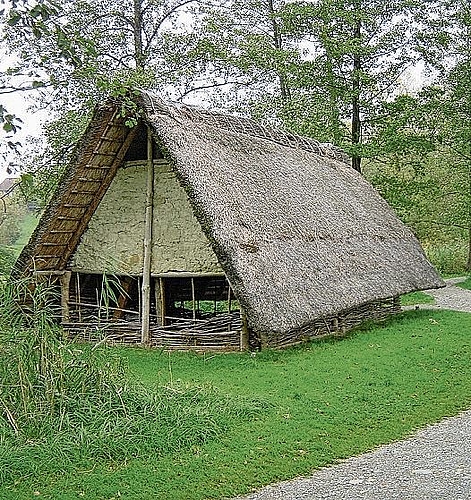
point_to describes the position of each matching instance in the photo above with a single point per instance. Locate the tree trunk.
(278, 42)
(356, 118)
(137, 32)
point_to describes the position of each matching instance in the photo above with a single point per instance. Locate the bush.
(448, 258)
(9, 229)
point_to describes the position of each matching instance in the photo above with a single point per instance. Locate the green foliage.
(9, 229)
(7, 259)
(322, 68)
(466, 284)
(449, 258)
(424, 164)
(9, 122)
(42, 170)
(12, 213)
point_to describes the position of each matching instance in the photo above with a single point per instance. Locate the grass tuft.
(448, 258)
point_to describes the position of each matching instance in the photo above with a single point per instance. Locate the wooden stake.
(79, 299)
(244, 332)
(145, 336)
(229, 298)
(158, 301)
(193, 302)
(65, 296)
(163, 304)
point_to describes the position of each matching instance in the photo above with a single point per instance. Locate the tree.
(432, 132)
(242, 56)
(323, 66)
(76, 53)
(87, 48)
(359, 50)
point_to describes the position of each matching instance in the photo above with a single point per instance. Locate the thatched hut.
(193, 229)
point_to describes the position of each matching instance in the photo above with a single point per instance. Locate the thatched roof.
(298, 232)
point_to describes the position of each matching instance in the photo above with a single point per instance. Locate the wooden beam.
(162, 298)
(159, 312)
(193, 298)
(49, 273)
(78, 295)
(229, 297)
(146, 275)
(185, 274)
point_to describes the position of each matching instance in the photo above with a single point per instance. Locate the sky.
(18, 103)
(32, 126)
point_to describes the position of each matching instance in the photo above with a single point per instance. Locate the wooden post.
(65, 296)
(79, 298)
(158, 301)
(163, 304)
(229, 298)
(193, 300)
(244, 332)
(125, 287)
(146, 278)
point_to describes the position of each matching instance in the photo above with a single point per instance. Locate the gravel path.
(434, 464)
(451, 297)
(414, 469)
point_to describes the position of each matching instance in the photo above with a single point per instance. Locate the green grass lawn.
(328, 400)
(413, 298)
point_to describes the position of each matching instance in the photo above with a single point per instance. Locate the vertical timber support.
(65, 296)
(78, 295)
(193, 298)
(244, 332)
(158, 290)
(163, 304)
(146, 277)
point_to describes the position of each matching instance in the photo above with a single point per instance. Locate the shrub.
(7, 259)
(448, 258)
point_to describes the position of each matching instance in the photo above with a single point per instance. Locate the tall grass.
(62, 403)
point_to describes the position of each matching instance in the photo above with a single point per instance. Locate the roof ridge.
(241, 125)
